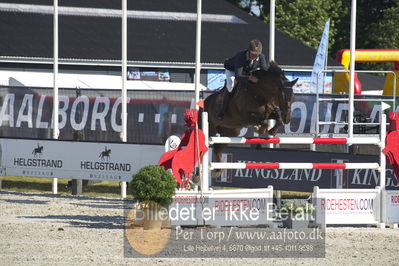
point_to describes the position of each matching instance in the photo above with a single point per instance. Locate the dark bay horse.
(251, 105)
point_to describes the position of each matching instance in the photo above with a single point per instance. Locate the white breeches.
(230, 77)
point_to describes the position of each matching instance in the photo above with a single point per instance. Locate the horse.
(38, 150)
(251, 105)
(105, 153)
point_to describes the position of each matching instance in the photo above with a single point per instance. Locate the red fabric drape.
(183, 159)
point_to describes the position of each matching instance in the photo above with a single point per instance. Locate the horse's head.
(286, 99)
(277, 90)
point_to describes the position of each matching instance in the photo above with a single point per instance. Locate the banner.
(156, 75)
(348, 207)
(75, 160)
(153, 116)
(304, 82)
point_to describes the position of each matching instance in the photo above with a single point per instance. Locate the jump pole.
(375, 166)
(382, 169)
(198, 52)
(55, 84)
(205, 158)
(352, 68)
(295, 140)
(124, 87)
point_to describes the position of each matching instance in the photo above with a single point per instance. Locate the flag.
(200, 103)
(320, 61)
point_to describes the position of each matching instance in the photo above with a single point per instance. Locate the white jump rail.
(214, 166)
(295, 140)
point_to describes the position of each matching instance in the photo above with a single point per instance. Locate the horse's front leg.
(276, 115)
(262, 129)
(273, 131)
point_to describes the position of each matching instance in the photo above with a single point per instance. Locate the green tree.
(375, 29)
(304, 20)
(387, 30)
(386, 33)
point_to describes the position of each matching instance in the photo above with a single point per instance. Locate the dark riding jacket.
(240, 64)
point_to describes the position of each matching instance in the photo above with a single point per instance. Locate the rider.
(240, 67)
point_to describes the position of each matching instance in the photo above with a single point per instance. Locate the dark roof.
(30, 34)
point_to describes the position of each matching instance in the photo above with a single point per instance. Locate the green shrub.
(153, 183)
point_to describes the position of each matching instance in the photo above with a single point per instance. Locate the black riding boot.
(225, 104)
